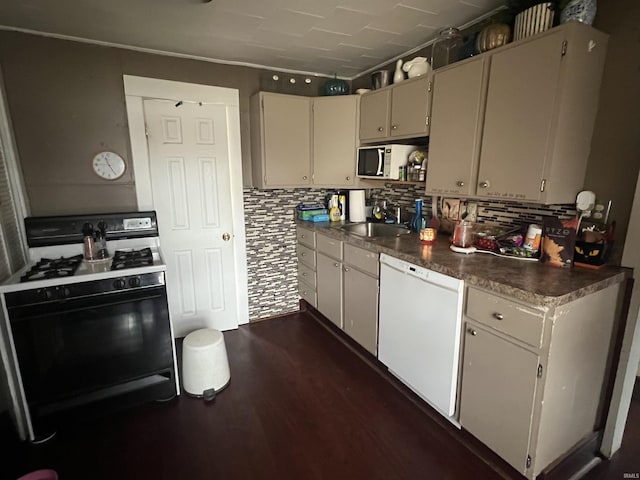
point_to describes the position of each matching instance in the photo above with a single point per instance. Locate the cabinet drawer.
(306, 237)
(361, 259)
(307, 274)
(329, 246)
(517, 320)
(308, 293)
(306, 255)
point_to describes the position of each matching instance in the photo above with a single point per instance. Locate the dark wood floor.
(300, 405)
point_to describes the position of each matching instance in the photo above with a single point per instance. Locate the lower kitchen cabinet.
(346, 287)
(329, 273)
(361, 294)
(498, 393)
(306, 255)
(532, 376)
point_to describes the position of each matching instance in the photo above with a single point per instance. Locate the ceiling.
(343, 37)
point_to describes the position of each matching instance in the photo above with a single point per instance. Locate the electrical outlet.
(600, 212)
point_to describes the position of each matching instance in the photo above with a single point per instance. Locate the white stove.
(82, 336)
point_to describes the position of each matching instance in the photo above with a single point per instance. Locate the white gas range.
(84, 337)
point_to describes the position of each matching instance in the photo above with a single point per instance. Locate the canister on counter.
(532, 239)
(402, 172)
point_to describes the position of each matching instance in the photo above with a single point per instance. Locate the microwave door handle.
(380, 172)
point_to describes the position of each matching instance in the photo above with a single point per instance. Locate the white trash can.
(205, 367)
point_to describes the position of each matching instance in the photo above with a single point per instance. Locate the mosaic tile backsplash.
(271, 238)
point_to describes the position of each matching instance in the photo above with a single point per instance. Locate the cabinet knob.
(394, 127)
(346, 269)
(303, 254)
(304, 177)
(336, 264)
(498, 316)
(472, 331)
(380, 129)
(484, 184)
(304, 274)
(460, 183)
(348, 178)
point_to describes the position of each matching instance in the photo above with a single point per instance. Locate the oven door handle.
(89, 302)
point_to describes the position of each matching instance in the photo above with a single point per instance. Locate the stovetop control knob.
(45, 293)
(63, 292)
(119, 283)
(134, 282)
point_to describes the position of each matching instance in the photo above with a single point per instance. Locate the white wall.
(630, 353)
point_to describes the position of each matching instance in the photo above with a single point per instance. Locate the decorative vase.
(398, 75)
(580, 10)
(335, 86)
(493, 36)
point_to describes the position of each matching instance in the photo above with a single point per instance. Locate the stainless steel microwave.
(383, 161)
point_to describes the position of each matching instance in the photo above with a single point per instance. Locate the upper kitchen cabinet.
(300, 141)
(396, 112)
(454, 144)
(335, 129)
(374, 115)
(280, 140)
(535, 124)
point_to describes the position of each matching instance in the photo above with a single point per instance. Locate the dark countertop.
(529, 281)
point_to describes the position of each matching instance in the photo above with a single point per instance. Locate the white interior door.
(190, 182)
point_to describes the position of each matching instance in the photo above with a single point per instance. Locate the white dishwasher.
(420, 320)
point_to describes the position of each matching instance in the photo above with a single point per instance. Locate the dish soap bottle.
(416, 221)
(334, 209)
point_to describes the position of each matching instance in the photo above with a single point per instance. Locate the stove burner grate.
(132, 258)
(52, 268)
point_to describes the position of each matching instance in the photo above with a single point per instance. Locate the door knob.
(226, 237)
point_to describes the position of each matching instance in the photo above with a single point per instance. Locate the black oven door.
(371, 162)
(80, 350)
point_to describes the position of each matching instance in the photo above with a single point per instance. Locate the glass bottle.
(416, 220)
(445, 48)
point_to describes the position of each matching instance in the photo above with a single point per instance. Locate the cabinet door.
(329, 288)
(361, 308)
(498, 389)
(335, 136)
(410, 105)
(287, 140)
(456, 128)
(374, 115)
(519, 119)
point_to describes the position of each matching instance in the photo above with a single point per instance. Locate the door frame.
(138, 89)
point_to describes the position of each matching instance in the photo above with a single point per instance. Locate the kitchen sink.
(370, 229)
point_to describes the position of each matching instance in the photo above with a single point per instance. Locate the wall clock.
(108, 165)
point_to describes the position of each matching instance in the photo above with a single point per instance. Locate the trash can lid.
(204, 337)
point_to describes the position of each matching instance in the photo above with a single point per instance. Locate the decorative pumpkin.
(493, 36)
(335, 86)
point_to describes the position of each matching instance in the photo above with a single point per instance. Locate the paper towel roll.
(356, 206)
